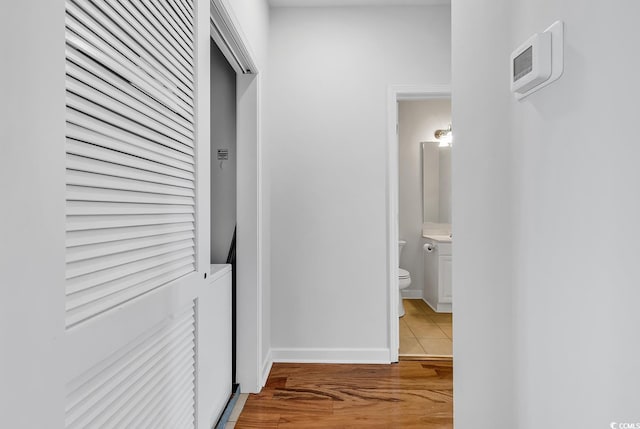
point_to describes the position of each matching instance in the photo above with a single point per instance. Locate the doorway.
(418, 305)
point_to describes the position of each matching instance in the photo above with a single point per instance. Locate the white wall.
(329, 72)
(417, 121)
(567, 211)
(32, 222)
(482, 216)
(581, 133)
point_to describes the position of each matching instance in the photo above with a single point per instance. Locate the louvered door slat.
(106, 386)
(129, 24)
(129, 11)
(130, 36)
(96, 166)
(95, 180)
(117, 391)
(87, 102)
(144, 15)
(85, 237)
(160, 17)
(128, 393)
(187, 7)
(83, 267)
(152, 403)
(182, 13)
(104, 301)
(79, 391)
(93, 151)
(152, 413)
(81, 193)
(92, 91)
(76, 223)
(121, 40)
(130, 72)
(174, 20)
(120, 272)
(130, 146)
(139, 279)
(116, 80)
(84, 208)
(75, 254)
(93, 32)
(180, 418)
(87, 85)
(81, 129)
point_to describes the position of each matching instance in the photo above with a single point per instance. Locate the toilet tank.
(401, 244)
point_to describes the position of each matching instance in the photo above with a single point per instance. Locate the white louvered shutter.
(150, 383)
(130, 150)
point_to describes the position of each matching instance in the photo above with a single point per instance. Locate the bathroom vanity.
(437, 272)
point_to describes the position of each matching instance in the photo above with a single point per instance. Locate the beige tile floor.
(425, 332)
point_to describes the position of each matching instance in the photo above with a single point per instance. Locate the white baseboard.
(440, 308)
(308, 355)
(412, 293)
(266, 368)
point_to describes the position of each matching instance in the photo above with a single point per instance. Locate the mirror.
(436, 185)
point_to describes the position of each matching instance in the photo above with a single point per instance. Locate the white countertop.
(437, 237)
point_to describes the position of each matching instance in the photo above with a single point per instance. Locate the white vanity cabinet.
(437, 273)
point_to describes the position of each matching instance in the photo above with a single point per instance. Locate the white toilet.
(404, 280)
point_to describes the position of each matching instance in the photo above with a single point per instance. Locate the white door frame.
(398, 93)
(225, 32)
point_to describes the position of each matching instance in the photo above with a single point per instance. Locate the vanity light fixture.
(445, 137)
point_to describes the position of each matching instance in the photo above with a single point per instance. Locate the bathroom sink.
(439, 237)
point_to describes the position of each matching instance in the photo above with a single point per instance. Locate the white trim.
(202, 112)
(440, 308)
(226, 32)
(319, 355)
(249, 185)
(248, 275)
(411, 294)
(266, 367)
(421, 92)
(396, 93)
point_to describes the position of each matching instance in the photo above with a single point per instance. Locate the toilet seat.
(403, 274)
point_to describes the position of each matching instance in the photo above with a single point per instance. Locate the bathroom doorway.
(420, 216)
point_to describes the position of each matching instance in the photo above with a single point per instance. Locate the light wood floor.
(408, 394)
(423, 332)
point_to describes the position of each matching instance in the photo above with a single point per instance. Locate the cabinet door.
(444, 282)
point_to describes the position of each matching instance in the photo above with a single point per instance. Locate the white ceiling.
(327, 3)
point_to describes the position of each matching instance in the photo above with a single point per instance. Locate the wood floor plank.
(409, 394)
